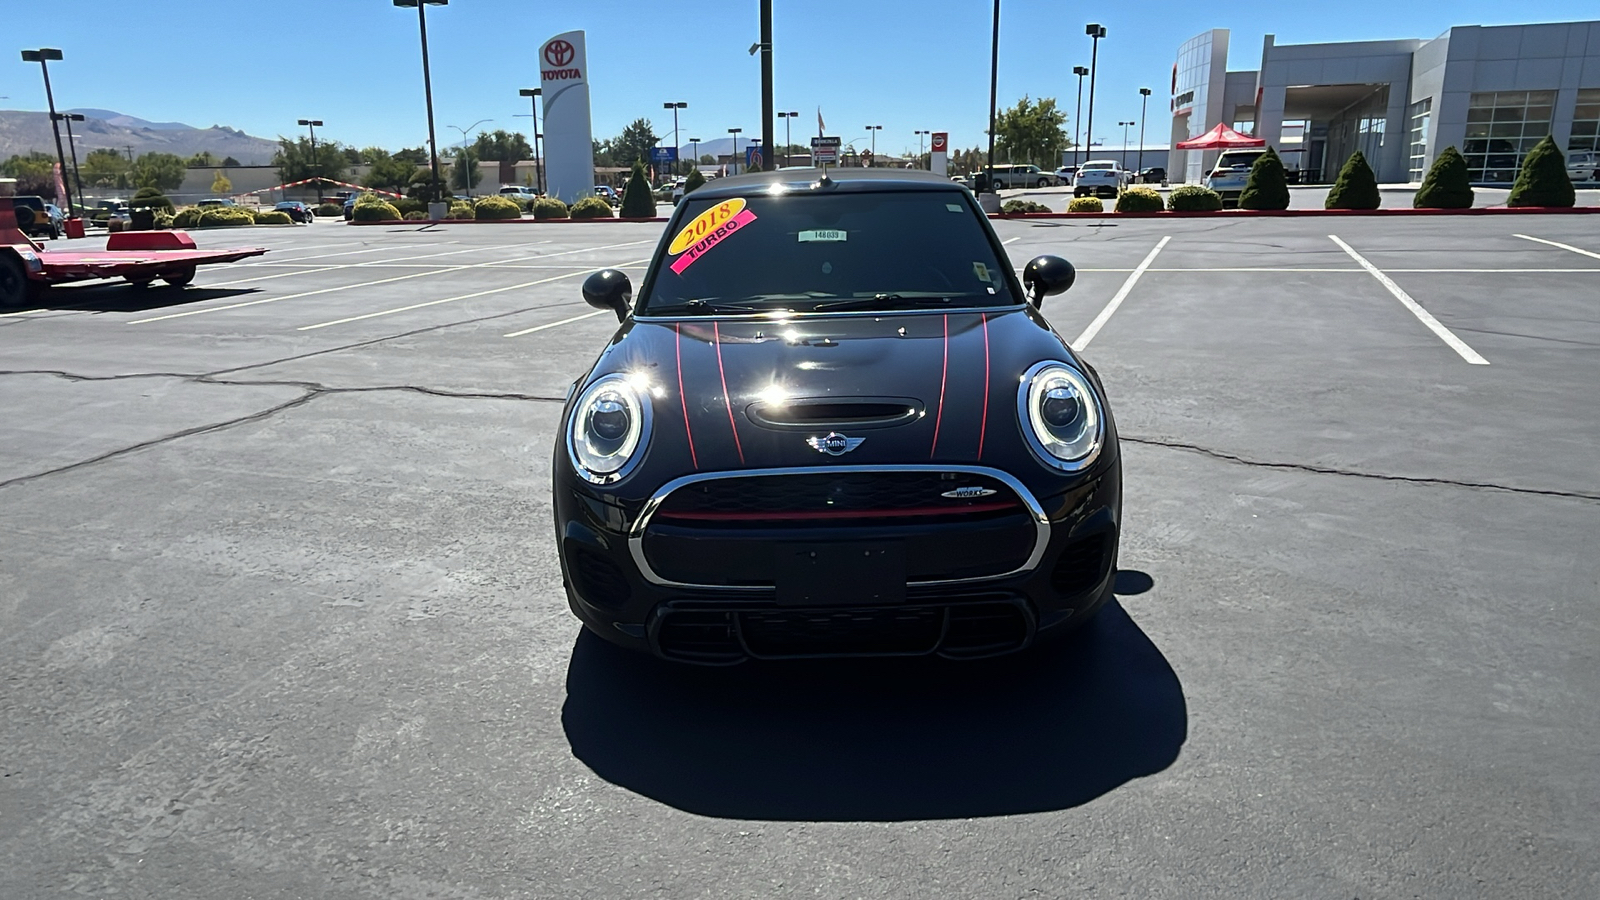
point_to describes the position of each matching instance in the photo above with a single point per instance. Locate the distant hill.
(24, 131)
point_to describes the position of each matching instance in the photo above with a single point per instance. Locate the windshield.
(1237, 160)
(809, 252)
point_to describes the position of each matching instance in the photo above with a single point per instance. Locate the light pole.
(1077, 119)
(42, 56)
(1144, 111)
(787, 118)
(538, 165)
(873, 130)
(696, 144)
(427, 85)
(77, 178)
(919, 135)
(315, 168)
(1096, 32)
(675, 106)
(733, 158)
(1125, 126)
(467, 170)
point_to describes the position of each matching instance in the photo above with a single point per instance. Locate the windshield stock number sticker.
(824, 235)
(980, 270)
(707, 230)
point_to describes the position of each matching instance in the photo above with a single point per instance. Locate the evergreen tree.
(1447, 185)
(1543, 179)
(637, 201)
(1356, 186)
(1268, 185)
(694, 180)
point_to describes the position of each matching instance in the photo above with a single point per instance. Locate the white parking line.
(319, 256)
(524, 331)
(1588, 253)
(1122, 294)
(1423, 316)
(1010, 240)
(363, 265)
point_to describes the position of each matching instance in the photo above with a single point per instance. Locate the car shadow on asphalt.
(127, 298)
(881, 740)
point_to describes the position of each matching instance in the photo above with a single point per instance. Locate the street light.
(1144, 112)
(675, 106)
(1096, 32)
(1077, 120)
(787, 143)
(696, 143)
(873, 130)
(42, 56)
(315, 168)
(733, 159)
(69, 118)
(427, 84)
(1125, 126)
(467, 172)
(533, 100)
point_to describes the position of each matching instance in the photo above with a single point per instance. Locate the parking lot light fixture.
(1077, 119)
(733, 158)
(788, 118)
(316, 170)
(1125, 126)
(427, 85)
(873, 130)
(464, 132)
(533, 95)
(72, 147)
(695, 143)
(1095, 32)
(675, 106)
(42, 56)
(1144, 113)
(919, 135)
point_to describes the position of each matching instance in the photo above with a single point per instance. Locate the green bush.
(495, 207)
(225, 216)
(416, 215)
(368, 198)
(407, 205)
(273, 217)
(1543, 179)
(1084, 204)
(1268, 185)
(115, 225)
(1140, 199)
(637, 201)
(329, 211)
(163, 219)
(551, 208)
(591, 208)
(374, 212)
(1023, 206)
(1194, 198)
(460, 209)
(1447, 184)
(1357, 186)
(150, 198)
(188, 217)
(694, 180)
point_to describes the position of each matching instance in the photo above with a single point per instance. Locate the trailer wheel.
(14, 286)
(179, 279)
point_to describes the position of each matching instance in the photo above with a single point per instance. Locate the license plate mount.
(857, 573)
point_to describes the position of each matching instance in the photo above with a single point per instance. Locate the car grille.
(962, 627)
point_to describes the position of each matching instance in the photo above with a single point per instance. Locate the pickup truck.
(1099, 178)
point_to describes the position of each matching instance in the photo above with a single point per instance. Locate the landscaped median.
(493, 209)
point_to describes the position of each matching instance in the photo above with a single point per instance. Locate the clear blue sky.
(904, 64)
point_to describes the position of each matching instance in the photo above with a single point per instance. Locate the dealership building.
(1490, 91)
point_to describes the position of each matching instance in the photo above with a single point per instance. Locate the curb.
(1289, 213)
(567, 221)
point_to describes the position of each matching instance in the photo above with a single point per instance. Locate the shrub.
(1084, 204)
(188, 217)
(1140, 199)
(1357, 186)
(495, 207)
(374, 212)
(637, 201)
(163, 219)
(368, 198)
(1023, 206)
(273, 217)
(225, 216)
(1543, 179)
(416, 215)
(591, 208)
(1194, 198)
(460, 210)
(694, 180)
(150, 198)
(329, 211)
(407, 205)
(551, 208)
(1268, 185)
(115, 225)
(1447, 184)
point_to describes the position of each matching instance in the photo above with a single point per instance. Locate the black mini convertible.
(834, 423)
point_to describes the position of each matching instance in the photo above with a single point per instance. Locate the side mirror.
(609, 289)
(1044, 276)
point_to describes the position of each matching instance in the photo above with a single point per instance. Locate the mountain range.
(22, 131)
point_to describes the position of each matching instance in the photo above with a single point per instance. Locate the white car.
(1232, 170)
(1583, 165)
(1100, 178)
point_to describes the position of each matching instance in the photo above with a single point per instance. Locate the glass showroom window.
(1586, 122)
(1421, 118)
(1501, 128)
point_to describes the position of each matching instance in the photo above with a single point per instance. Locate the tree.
(1268, 185)
(230, 161)
(221, 184)
(414, 155)
(296, 163)
(633, 144)
(707, 159)
(1447, 184)
(202, 159)
(695, 180)
(637, 201)
(1356, 187)
(164, 171)
(105, 168)
(387, 172)
(1543, 179)
(1032, 132)
(35, 164)
(464, 173)
(502, 145)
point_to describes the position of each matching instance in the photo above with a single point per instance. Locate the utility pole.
(994, 85)
(538, 165)
(1077, 120)
(77, 177)
(42, 56)
(316, 169)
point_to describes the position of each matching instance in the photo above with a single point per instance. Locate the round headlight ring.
(1060, 415)
(609, 427)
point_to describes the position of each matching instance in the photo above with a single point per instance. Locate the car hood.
(720, 387)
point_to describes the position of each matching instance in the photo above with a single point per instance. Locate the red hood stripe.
(677, 339)
(983, 426)
(716, 334)
(944, 377)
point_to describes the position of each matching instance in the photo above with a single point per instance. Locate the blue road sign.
(752, 158)
(663, 154)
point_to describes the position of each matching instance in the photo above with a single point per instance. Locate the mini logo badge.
(967, 493)
(834, 443)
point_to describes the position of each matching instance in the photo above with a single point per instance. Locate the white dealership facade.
(1490, 91)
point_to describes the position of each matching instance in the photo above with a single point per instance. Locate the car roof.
(851, 180)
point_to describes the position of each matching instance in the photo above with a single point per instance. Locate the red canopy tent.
(1220, 138)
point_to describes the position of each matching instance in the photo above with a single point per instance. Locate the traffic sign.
(753, 161)
(825, 150)
(663, 154)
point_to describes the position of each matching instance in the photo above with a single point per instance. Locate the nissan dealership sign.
(568, 135)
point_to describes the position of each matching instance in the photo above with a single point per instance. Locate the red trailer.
(139, 257)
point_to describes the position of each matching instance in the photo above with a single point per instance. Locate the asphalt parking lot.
(280, 615)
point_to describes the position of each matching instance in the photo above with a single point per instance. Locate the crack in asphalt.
(1353, 473)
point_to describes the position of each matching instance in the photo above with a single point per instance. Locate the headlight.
(608, 429)
(1060, 415)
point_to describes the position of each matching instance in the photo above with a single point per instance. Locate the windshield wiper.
(697, 307)
(909, 300)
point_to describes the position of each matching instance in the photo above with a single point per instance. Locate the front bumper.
(647, 586)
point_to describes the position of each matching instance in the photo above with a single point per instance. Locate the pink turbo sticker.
(700, 247)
